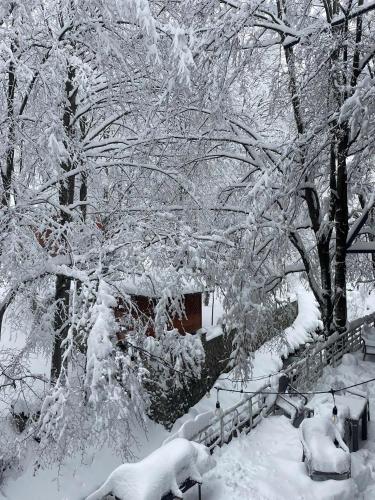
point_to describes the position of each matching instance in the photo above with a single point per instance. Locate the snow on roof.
(154, 282)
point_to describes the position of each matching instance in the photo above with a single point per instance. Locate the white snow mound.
(163, 471)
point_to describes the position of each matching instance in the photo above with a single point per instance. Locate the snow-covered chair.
(368, 341)
(291, 403)
(169, 470)
(324, 452)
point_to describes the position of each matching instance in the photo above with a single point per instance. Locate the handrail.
(232, 408)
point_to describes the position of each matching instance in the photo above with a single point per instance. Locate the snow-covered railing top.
(330, 351)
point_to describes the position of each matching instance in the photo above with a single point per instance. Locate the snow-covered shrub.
(99, 396)
(8, 463)
(114, 377)
(10, 449)
(175, 367)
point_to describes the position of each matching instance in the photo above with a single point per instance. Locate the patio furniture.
(325, 454)
(189, 483)
(359, 413)
(291, 402)
(368, 341)
(352, 412)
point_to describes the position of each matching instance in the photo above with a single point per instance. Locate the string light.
(334, 409)
(304, 393)
(240, 391)
(218, 410)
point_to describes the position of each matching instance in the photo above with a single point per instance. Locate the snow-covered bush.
(99, 396)
(175, 367)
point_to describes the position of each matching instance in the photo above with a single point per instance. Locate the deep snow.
(274, 451)
(164, 470)
(267, 463)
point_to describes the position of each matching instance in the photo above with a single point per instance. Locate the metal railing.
(245, 414)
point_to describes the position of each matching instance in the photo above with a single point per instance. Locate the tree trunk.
(326, 282)
(341, 224)
(61, 323)
(66, 198)
(7, 171)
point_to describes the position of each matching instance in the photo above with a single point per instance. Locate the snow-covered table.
(351, 409)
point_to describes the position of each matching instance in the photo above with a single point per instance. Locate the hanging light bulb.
(334, 414)
(334, 409)
(218, 409)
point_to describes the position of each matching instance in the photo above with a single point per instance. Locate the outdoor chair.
(359, 415)
(291, 402)
(325, 454)
(368, 341)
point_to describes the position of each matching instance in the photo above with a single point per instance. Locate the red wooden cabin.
(145, 305)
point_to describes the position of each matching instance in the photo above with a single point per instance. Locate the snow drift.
(159, 473)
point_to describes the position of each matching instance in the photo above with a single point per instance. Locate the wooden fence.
(245, 414)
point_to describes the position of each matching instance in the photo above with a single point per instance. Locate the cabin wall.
(146, 306)
(193, 313)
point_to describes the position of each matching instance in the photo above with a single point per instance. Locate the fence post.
(308, 368)
(333, 347)
(250, 413)
(321, 361)
(221, 429)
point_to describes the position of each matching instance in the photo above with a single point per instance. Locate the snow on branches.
(113, 381)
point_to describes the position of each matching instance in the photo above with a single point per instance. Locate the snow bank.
(159, 473)
(213, 331)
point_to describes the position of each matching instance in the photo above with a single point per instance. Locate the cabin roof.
(155, 283)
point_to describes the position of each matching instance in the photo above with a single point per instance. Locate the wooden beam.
(362, 247)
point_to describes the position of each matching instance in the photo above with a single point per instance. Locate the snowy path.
(266, 464)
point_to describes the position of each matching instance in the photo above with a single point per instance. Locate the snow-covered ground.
(78, 477)
(267, 463)
(276, 450)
